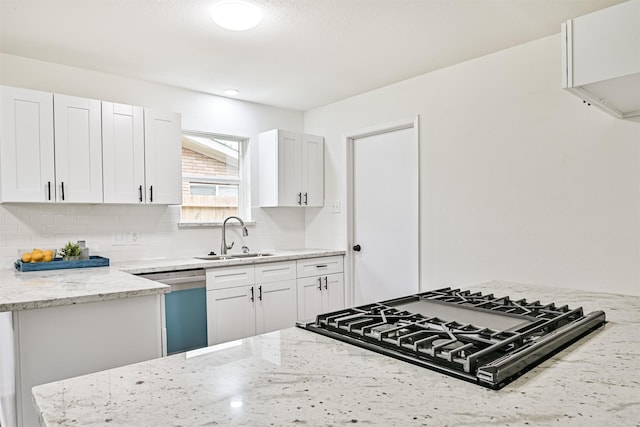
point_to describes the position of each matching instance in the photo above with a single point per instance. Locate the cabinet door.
(312, 158)
(309, 298)
(78, 149)
(332, 292)
(26, 146)
(606, 44)
(230, 314)
(289, 169)
(123, 153)
(163, 158)
(275, 306)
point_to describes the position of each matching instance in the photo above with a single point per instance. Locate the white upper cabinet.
(26, 146)
(291, 169)
(141, 155)
(162, 154)
(60, 148)
(601, 58)
(78, 149)
(123, 153)
(51, 148)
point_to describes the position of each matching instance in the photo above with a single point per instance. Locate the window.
(213, 178)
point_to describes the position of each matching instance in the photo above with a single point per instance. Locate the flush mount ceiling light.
(236, 15)
(231, 92)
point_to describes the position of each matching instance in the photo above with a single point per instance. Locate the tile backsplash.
(124, 232)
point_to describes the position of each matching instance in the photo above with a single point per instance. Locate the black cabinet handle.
(299, 198)
(326, 282)
(305, 198)
(62, 187)
(357, 248)
(140, 193)
(260, 292)
(252, 299)
(49, 189)
(151, 194)
(320, 283)
(321, 266)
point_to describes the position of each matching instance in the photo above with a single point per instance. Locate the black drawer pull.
(321, 266)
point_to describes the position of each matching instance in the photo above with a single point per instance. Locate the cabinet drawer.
(318, 266)
(229, 277)
(275, 271)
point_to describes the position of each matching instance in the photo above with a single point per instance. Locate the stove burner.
(479, 338)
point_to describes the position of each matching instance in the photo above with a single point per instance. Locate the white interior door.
(384, 217)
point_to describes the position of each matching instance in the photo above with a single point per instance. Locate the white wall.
(519, 180)
(39, 225)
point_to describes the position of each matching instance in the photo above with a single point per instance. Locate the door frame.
(400, 124)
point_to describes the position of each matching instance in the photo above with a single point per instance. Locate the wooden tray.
(60, 264)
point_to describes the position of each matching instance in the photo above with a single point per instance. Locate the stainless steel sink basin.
(248, 255)
(214, 257)
(231, 256)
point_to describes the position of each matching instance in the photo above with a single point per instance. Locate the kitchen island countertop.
(296, 377)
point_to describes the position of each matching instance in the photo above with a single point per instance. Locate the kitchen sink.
(256, 255)
(231, 256)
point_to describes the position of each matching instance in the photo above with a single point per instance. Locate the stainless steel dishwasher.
(185, 308)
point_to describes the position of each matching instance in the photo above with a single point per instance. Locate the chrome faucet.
(223, 247)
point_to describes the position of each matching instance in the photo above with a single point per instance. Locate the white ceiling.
(304, 54)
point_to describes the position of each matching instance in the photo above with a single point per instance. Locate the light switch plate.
(134, 238)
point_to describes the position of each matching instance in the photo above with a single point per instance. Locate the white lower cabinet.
(250, 300)
(320, 286)
(50, 344)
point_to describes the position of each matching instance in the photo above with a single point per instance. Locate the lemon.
(37, 255)
(26, 257)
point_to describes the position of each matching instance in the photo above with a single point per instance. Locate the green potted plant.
(70, 251)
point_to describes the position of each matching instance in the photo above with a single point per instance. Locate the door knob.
(357, 248)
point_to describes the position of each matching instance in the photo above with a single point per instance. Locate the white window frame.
(244, 185)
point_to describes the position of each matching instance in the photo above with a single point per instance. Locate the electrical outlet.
(119, 239)
(134, 238)
(335, 207)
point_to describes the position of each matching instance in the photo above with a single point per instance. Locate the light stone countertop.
(40, 289)
(296, 377)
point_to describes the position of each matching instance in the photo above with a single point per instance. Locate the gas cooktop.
(480, 338)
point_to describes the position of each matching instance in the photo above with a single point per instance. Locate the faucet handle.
(231, 245)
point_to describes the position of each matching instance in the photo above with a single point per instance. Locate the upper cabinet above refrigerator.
(601, 58)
